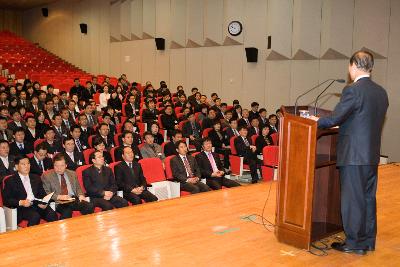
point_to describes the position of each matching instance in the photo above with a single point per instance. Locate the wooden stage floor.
(200, 230)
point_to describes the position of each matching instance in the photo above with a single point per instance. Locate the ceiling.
(24, 4)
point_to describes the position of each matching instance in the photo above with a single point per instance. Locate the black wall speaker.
(251, 54)
(160, 43)
(83, 27)
(45, 12)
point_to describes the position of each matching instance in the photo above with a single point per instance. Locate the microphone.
(303, 94)
(323, 91)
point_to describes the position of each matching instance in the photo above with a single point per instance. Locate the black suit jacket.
(170, 149)
(14, 149)
(4, 171)
(149, 115)
(78, 158)
(179, 170)
(241, 147)
(242, 122)
(252, 131)
(53, 148)
(228, 135)
(169, 122)
(127, 178)
(13, 126)
(35, 169)
(9, 135)
(86, 133)
(95, 183)
(360, 115)
(109, 141)
(14, 190)
(261, 142)
(263, 122)
(187, 129)
(205, 164)
(253, 115)
(217, 142)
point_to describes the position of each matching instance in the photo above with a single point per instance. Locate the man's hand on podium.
(314, 118)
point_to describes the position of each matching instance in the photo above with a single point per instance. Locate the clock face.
(235, 28)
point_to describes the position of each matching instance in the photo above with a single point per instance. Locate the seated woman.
(218, 142)
(154, 129)
(98, 144)
(264, 139)
(104, 97)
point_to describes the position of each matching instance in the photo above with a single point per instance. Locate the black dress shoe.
(342, 247)
(254, 181)
(369, 248)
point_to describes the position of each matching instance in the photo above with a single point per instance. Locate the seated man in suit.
(131, 108)
(231, 131)
(40, 162)
(185, 170)
(245, 149)
(6, 160)
(254, 113)
(92, 120)
(86, 131)
(211, 167)
(59, 129)
(273, 127)
(65, 186)
(100, 184)
(151, 149)
(170, 147)
(73, 158)
(80, 144)
(104, 132)
(192, 130)
(254, 128)
(21, 189)
(31, 132)
(263, 118)
(127, 140)
(130, 179)
(17, 121)
(19, 146)
(150, 114)
(211, 118)
(52, 146)
(244, 121)
(5, 133)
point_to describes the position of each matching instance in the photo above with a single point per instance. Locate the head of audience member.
(186, 112)
(177, 136)
(265, 130)
(71, 105)
(40, 117)
(243, 131)
(4, 148)
(263, 113)
(238, 109)
(19, 135)
(93, 104)
(49, 135)
(228, 115)
(56, 99)
(59, 164)
(168, 110)
(128, 126)
(204, 109)
(50, 89)
(110, 110)
(106, 89)
(75, 97)
(40, 151)
(22, 111)
(49, 105)
(3, 123)
(203, 99)
(98, 144)
(273, 119)
(69, 144)
(75, 132)
(64, 113)
(13, 91)
(132, 99)
(94, 80)
(150, 104)
(4, 111)
(182, 98)
(217, 126)
(233, 123)
(218, 102)
(104, 129)
(127, 154)
(154, 128)
(361, 63)
(254, 106)
(16, 116)
(207, 144)
(36, 86)
(88, 109)
(10, 82)
(31, 122)
(127, 138)
(88, 85)
(278, 113)
(211, 114)
(107, 118)
(22, 95)
(22, 165)
(245, 113)
(255, 122)
(191, 117)
(194, 90)
(223, 107)
(42, 96)
(197, 96)
(57, 120)
(181, 148)
(148, 138)
(114, 95)
(63, 96)
(3, 96)
(214, 96)
(82, 120)
(76, 82)
(97, 159)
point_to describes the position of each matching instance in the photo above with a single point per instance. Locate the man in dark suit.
(150, 114)
(64, 183)
(210, 120)
(6, 160)
(130, 179)
(231, 131)
(86, 131)
(52, 146)
(244, 121)
(127, 140)
(192, 130)
(5, 133)
(100, 184)
(254, 128)
(21, 189)
(40, 162)
(17, 121)
(73, 158)
(92, 120)
(59, 129)
(170, 147)
(131, 107)
(254, 111)
(185, 170)
(211, 167)
(19, 146)
(360, 115)
(246, 149)
(272, 122)
(104, 132)
(31, 132)
(80, 143)
(263, 118)
(77, 88)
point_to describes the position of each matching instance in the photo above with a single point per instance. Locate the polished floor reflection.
(209, 229)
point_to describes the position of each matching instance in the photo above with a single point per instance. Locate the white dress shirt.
(5, 161)
(27, 185)
(361, 76)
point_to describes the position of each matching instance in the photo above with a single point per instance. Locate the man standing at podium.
(360, 115)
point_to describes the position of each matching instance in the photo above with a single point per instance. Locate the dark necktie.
(246, 142)
(40, 163)
(194, 129)
(64, 189)
(21, 147)
(78, 144)
(187, 167)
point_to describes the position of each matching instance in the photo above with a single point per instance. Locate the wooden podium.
(308, 195)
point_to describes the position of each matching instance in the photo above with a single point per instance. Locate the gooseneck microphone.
(323, 91)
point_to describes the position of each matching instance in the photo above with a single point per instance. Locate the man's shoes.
(342, 247)
(369, 248)
(254, 181)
